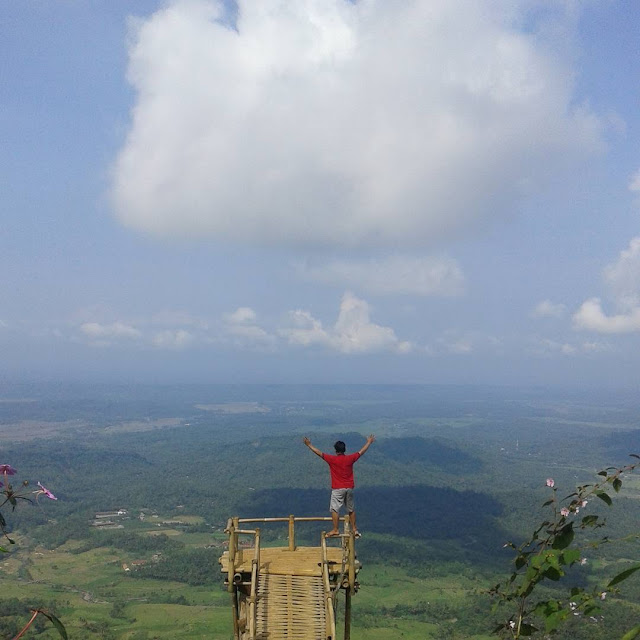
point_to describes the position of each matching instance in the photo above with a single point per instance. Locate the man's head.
(340, 447)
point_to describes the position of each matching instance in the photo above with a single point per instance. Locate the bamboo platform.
(280, 561)
(288, 593)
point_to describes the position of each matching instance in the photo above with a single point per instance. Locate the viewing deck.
(289, 592)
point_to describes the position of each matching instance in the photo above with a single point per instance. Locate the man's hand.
(308, 443)
(367, 444)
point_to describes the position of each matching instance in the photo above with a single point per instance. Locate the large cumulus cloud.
(326, 122)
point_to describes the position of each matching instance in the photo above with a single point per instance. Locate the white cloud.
(338, 122)
(116, 330)
(623, 280)
(549, 347)
(242, 329)
(242, 315)
(623, 277)
(169, 339)
(591, 316)
(634, 185)
(353, 331)
(548, 309)
(396, 275)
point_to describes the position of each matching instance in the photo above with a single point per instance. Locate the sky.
(322, 191)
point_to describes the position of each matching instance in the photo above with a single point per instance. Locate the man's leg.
(337, 500)
(335, 518)
(352, 519)
(351, 509)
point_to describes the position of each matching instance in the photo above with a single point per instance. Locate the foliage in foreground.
(11, 498)
(549, 553)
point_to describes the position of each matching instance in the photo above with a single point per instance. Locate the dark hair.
(340, 446)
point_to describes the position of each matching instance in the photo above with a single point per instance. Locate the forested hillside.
(454, 473)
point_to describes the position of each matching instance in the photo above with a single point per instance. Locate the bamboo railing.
(234, 579)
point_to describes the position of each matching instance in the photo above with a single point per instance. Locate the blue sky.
(321, 191)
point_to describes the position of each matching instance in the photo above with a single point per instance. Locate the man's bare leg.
(352, 520)
(335, 518)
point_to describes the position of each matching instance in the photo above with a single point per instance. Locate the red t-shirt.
(341, 469)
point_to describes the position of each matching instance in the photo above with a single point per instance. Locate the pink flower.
(584, 503)
(550, 482)
(7, 470)
(603, 595)
(583, 561)
(564, 512)
(46, 492)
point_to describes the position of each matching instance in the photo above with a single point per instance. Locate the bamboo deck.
(291, 608)
(304, 561)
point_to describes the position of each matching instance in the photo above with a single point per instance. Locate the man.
(341, 467)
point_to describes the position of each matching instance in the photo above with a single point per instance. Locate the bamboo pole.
(352, 562)
(255, 570)
(347, 615)
(234, 608)
(330, 614)
(300, 519)
(292, 533)
(231, 569)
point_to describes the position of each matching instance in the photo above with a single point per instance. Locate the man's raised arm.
(308, 443)
(367, 444)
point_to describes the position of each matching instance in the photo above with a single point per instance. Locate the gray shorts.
(341, 497)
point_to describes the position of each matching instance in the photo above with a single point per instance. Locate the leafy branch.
(547, 555)
(9, 496)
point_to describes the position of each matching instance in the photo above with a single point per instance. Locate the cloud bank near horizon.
(327, 122)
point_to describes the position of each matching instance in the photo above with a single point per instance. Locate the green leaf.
(604, 497)
(552, 621)
(634, 455)
(520, 561)
(632, 633)
(623, 576)
(527, 629)
(570, 556)
(3, 550)
(56, 623)
(553, 574)
(617, 483)
(564, 537)
(547, 607)
(602, 473)
(589, 521)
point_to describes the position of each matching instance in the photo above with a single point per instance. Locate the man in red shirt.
(341, 467)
